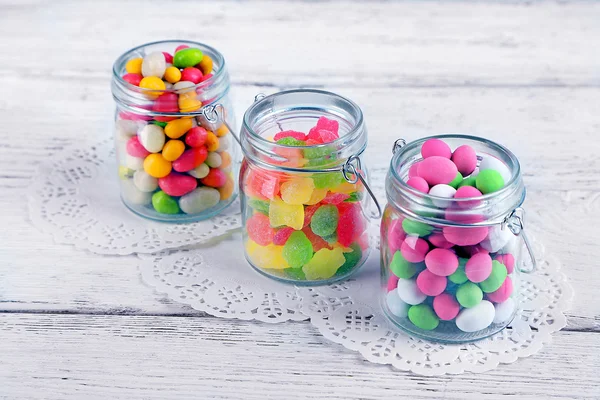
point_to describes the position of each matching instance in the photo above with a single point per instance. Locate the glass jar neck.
(140, 101)
(299, 110)
(489, 209)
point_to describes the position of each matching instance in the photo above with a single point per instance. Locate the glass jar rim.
(220, 61)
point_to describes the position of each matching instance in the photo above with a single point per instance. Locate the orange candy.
(205, 65)
(227, 190)
(222, 131)
(173, 149)
(225, 160)
(188, 102)
(212, 141)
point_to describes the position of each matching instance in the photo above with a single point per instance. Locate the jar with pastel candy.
(174, 164)
(303, 185)
(452, 238)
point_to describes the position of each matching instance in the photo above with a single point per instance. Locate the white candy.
(200, 171)
(476, 318)
(409, 292)
(199, 200)
(213, 159)
(184, 86)
(504, 311)
(442, 190)
(168, 86)
(152, 137)
(154, 64)
(144, 182)
(133, 195)
(134, 163)
(497, 238)
(125, 128)
(490, 162)
(396, 305)
(223, 143)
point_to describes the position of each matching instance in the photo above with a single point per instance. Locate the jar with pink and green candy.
(452, 238)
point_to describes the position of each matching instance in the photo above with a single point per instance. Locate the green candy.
(295, 273)
(496, 278)
(354, 196)
(352, 259)
(469, 295)
(159, 123)
(469, 181)
(402, 268)
(324, 180)
(459, 275)
(422, 316)
(290, 141)
(317, 153)
(413, 227)
(164, 204)
(298, 250)
(259, 205)
(331, 239)
(489, 181)
(187, 57)
(456, 181)
(325, 220)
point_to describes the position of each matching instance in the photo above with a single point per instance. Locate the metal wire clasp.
(515, 221)
(398, 144)
(352, 174)
(213, 115)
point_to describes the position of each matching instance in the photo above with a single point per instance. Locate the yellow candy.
(206, 65)
(188, 102)
(212, 141)
(172, 74)
(317, 196)
(337, 245)
(266, 257)
(155, 84)
(282, 213)
(124, 172)
(227, 189)
(178, 127)
(345, 187)
(324, 264)
(134, 66)
(155, 165)
(297, 190)
(173, 149)
(222, 131)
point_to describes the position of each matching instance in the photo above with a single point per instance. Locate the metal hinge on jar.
(515, 221)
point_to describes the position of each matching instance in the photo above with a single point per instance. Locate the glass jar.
(450, 266)
(303, 203)
(173, 164)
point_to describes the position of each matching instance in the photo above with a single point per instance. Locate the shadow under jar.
(303, 187)
(174, 165)
(450, 265)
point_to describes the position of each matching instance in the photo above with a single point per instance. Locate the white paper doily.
(75, 198)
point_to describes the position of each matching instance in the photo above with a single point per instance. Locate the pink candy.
(466, 192)
(438, 240)
(465, 159)
(465, 236)
(436, 170)
(414, 170)
(191, 74)
(508, 260)
(176, 184)
(330, 125)
(135, 148)
(503, 293)
(479, 267)
(190, 159)
(441, 262)
(395, 235)
(445, 306)
(436, 147)
(414, 249)
(392, 282)
(430, 283)
(418, 183)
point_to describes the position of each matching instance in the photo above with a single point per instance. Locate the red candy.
(135, 148)
(295, 134)
(335, 198)
(282, 235)
(167, 103)
(168, 57)
(351, 223)
(317, 241)
(330, 125)
(190, 159)
(191, 74)
(134, 79)
(262, 184)
(176, 184)
(196, 137)
(309, 211)
(181, 47)
(259, 229)
(216, 178)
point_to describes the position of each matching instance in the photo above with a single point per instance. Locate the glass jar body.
(450, 268)
(174, 166)
(304, 220)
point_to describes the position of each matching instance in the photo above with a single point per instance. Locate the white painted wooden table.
(75, 326)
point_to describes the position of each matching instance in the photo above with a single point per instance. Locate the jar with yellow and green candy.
(303, 188)
(173, 165)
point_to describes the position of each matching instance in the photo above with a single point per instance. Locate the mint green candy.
(470, 181)
(298, 250)
(489, 181)
(187, 57)
(469, 295)
(324, 180)
(164, 204)
(423, 316)
(160, 123)
(352, 259)
(290, 141)
(261, 206)
(456, 181)
(413, 227)
(331, 239)
(402, 268)
(459, 275)
(324, 221)
(496, 278)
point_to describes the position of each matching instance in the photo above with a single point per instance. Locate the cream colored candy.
(152, 137)
(133, 195)
(200, 171)
(154, 64)
(134, 163)
(144, 182)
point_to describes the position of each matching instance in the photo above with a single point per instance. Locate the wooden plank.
(430, 43)
(117, 357)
